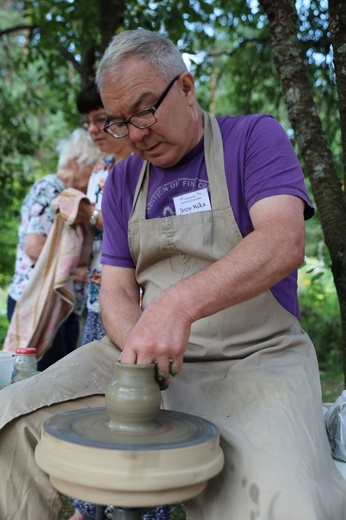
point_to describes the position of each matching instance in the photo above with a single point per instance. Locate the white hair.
(78, 145)
(149, 46)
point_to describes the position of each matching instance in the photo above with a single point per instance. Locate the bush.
(320, 312)
(3, 317)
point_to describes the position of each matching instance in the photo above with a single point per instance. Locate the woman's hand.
(80, 274)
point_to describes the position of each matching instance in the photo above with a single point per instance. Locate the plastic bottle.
(25, 364)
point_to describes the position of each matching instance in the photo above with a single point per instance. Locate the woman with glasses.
(89, 105)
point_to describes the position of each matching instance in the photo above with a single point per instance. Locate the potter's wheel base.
(120, 513)
(87, 461)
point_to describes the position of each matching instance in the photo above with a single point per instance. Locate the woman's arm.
(33, 245)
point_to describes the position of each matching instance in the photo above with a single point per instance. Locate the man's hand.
(160, 336)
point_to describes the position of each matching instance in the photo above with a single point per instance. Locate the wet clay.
(130, 453)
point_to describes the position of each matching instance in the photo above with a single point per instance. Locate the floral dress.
(37, 217)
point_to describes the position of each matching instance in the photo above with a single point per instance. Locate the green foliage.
(30, 125)
(320, 313)
(240, 37)
(3, 316)
(178, 512)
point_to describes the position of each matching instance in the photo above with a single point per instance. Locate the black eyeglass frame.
(151, 110)
(97, 121)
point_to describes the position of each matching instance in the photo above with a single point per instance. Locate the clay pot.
(133, 399)
(145, 456)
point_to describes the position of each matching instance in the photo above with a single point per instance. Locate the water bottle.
(25, 364)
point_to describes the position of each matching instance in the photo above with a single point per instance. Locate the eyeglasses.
(97, 121)
(141, 120)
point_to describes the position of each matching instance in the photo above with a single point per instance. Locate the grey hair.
(78, 145)
(150, 46)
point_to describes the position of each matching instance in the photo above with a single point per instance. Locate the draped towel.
(48, 298)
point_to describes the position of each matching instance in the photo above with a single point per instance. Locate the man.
(211, 228)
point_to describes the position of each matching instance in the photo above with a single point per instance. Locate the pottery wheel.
(169, 463)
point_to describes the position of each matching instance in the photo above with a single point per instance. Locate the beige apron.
(250, 369)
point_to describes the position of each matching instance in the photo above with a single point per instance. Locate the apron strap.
(215, 165)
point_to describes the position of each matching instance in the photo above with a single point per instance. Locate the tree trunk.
(110, 19)
(311, 139)
(337, 26)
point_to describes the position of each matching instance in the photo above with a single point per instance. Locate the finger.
(161, 377)
(128, 356)
(172, 370)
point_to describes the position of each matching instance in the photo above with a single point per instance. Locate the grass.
(67, 507)
(332, 385)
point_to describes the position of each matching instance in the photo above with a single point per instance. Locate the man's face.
(177, 129)
(95, 120)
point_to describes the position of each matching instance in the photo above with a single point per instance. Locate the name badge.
(192, 202)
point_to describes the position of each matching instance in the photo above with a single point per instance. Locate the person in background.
(90, 106)
(207, 218)
(77, 157)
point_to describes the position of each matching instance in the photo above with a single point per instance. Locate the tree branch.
(19, 27)
(44, 32)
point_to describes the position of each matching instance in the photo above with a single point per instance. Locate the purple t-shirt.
(259, 162)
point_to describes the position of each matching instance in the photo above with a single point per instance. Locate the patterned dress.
(37, 217)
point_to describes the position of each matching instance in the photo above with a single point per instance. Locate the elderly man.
(207, 219)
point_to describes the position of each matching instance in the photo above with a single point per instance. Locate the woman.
(77, 157)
